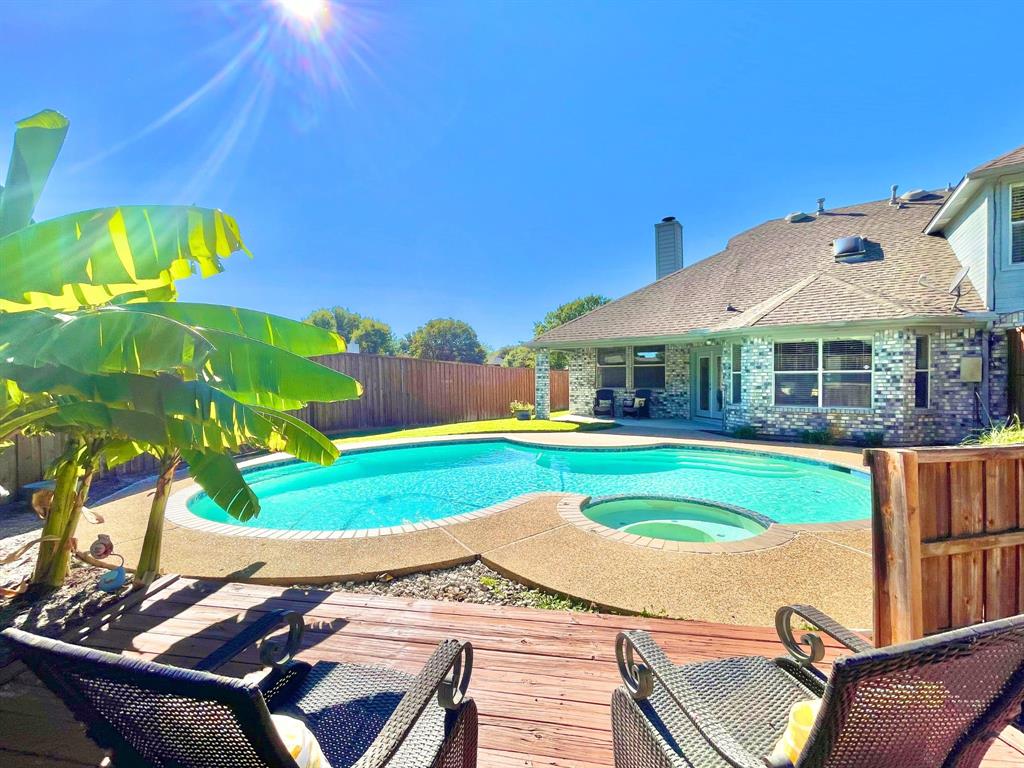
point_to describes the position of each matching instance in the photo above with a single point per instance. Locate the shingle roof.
(779, 274)
(1014, 157)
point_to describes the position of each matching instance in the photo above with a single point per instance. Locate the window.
(796, 373)
(922, 372)
(828, 374)
(1017, 224)
(846, 377)
(649, 367)
(737, 374)
(611, 368)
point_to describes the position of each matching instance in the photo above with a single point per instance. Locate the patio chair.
(604, 403)
(149, 714)
(935, 702)
(639, 405)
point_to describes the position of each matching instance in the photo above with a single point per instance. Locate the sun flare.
(307, 12)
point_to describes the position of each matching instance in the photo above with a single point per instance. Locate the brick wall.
(953, 413)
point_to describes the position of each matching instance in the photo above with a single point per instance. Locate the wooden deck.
(542, 679)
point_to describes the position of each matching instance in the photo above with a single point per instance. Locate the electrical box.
(970, 369)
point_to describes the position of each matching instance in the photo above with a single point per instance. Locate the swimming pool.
(393, 486)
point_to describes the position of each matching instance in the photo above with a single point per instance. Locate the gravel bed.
(469, 583)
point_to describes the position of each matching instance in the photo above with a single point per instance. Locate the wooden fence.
(948, 538)
(406, 391)
(398, 391)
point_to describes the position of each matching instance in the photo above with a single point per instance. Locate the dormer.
(983, 220)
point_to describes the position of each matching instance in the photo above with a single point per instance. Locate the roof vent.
(892, 194)
(797, 216)
(846, 247)
(821, 205)
(915, 194)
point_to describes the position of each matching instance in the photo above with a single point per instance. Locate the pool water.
(382, 488)
(687, 520)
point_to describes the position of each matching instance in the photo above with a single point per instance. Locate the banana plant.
(93, 344)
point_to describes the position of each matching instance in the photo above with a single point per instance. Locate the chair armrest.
(654, 666)
(272, 654)
(446, 675)
(815, 648)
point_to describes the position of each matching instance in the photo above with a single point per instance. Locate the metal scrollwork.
(452, 692)
(274, 653)
(809, 649)
(636, 676)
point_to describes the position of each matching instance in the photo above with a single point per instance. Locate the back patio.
(542, 679)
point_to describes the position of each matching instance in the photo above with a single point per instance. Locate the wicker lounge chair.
(933, 703)
(641, 410)
(149, 714)
(604, 396)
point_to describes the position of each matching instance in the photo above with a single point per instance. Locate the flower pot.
(523, 415)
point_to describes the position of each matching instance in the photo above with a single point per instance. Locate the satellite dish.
(956, 286)
(958, 278)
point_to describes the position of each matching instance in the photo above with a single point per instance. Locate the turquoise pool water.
(406, 485)
(686, 520)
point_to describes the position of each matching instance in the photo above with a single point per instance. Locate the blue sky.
(487, 160)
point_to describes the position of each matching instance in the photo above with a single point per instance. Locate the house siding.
(968, 235)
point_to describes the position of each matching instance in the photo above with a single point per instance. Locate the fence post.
(896, 546)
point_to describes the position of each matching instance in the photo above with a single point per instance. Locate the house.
(887, 320)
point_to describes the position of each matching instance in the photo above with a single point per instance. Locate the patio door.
(708, 396)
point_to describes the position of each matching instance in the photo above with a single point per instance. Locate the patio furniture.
(638, 405)
(934, 702)
(604, 403)
(149, 714)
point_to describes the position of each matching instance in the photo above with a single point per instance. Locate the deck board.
(542, 679)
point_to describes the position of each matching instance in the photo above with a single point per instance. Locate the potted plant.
(522, 411)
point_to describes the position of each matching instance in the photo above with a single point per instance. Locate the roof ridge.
(751, 316)
(870, 294)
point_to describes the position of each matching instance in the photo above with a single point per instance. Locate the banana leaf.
(223, 482)
(128, 339)
(87, 258)
(37, 142)
(296, 337)
(215, 420)
(108, 340)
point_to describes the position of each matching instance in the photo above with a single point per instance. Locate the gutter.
(964, 320)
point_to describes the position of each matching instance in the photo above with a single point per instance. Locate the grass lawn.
(474, 428)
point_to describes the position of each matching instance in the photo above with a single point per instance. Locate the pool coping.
(178, 513)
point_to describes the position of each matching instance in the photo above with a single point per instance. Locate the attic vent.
(915, 194)
(797, 216)
(846, 247)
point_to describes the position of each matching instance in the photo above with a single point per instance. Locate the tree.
(346, 322)
(562, 315)
(374, 337)
(180, 381)
(519, 356)
(322, 318)
(446, 339)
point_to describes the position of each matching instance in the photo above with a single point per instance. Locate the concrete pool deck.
(530, 540)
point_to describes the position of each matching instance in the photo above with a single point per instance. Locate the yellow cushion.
(300, 742)
(638, 402)
(801, 719)
(604, 403)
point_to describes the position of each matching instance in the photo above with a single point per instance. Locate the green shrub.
(871, 440)
(1011, 432)
(817, 436)
(745, 432)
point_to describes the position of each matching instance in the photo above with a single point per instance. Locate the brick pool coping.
(569, 507)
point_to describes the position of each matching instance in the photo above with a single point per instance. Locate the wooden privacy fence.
(398, 391)
(406, 391)
(948, 538)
